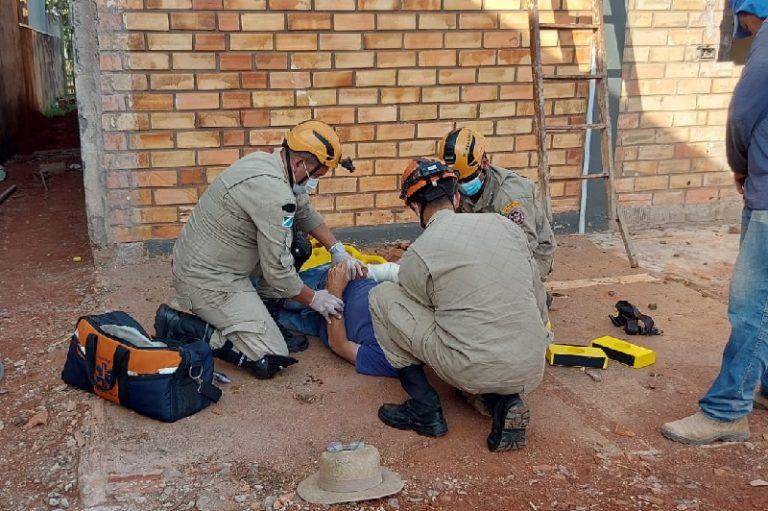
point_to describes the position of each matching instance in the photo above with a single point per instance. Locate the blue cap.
(757, 7)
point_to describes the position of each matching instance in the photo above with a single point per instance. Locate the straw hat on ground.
(349, 474)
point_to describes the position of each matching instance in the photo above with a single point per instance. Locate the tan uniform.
(470, 304)
(241, 227)
(514, 197)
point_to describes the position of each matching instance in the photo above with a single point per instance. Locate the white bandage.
(386, 272)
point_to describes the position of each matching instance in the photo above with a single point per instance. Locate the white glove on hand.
(326, 304)
(339, 254)
(386, 272)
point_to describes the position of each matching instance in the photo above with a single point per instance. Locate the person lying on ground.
(352, 337)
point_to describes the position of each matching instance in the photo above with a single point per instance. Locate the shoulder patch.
(288, 221)
(514, 212)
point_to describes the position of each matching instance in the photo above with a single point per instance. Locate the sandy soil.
(592, 444)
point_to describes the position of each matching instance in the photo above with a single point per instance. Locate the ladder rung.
(580, 178)
(569, 26)
(576, 127)
(579, 76)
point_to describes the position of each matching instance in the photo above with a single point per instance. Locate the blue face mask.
(471, 187)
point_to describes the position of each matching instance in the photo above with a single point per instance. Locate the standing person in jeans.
(725, 407)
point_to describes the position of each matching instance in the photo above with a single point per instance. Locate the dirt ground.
(592, 445)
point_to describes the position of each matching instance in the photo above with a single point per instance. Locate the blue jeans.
(745, 359)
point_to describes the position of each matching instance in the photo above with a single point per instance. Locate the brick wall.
(671, 150)
(189, 86)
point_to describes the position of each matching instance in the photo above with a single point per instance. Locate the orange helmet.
(317, 138)
(463, 149)
(425, 180)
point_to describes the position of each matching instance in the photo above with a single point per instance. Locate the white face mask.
(308, 186)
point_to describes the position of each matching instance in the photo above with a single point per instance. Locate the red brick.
(173, 158)
(354, 60)
(335, 115)
(267, 60)
(197, 100)
(239, 99)
(255, 118)
(228, 21)
(421, 5)
(290, 5)
(311, 60)
(340, 42)
(169, 41)
(424, 40)
(396, 21)
(333, 79)
(218, 119)
(251, 42)
(175, 196)
(289, 80)
(273, 98)
(218, 157)
(382, 40)
(192, 139)
(236, 61)
(210, 42)
(151, 102)
(357, 22)
(146, 21)
(400, 95)
(256, 80)
(173, 120)
(309, 21)
(290, 116)
(443, 21)
(295, 42)
(377, 114)
(378, 5)
(206, 5)
(262, 22)
(266, 137)
(151, 141)
(388, 59)
(194, 60)
(193, 21)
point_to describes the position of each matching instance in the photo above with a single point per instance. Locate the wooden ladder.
(541, 129)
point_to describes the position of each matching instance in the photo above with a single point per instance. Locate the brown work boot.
(760, 401)
(698, 429)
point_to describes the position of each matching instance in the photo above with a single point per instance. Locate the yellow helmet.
(317, 138)
(463, 149)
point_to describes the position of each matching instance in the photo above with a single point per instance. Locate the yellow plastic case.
(625, 352)
(321, 256)
(576, 356)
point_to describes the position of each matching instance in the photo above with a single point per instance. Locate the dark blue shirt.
(357, 320)
(747, 131)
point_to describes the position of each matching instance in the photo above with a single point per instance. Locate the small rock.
(611, 293)
(19, 363)
(39, 419)
(64, 502)
(269, 502)
(432, 494)
(393, 503)
(594, 374)
(241, 498)
(2, 426)
(70, 406)
(681, 507)
(734, 229)
(53, 502)
(758, 482)
(652, 306)
(622, 430)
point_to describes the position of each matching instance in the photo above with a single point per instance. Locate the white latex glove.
(339, 254)
(386, 272)
(326, 304)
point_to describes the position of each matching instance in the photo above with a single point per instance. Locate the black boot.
(264, 368)
(422, 413)
(180, 326)
(510, 418)
(294, 340)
